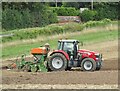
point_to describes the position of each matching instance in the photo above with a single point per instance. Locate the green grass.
(92, 37)
(98, 36)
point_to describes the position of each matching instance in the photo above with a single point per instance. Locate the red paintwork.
(61, 51)
(87, 53)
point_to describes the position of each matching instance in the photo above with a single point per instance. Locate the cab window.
(68, 46)
(60, 45)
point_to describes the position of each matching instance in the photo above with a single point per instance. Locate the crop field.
(103, 39)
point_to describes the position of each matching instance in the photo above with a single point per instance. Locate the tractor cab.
(69, 46)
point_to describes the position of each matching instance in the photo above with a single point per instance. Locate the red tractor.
(68, 55)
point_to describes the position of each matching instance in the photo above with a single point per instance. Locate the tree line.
(16, 15)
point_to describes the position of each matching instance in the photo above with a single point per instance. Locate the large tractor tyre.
(98, 68)
(88, 64)
(57, 62)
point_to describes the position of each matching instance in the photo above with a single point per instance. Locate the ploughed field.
(107, 77)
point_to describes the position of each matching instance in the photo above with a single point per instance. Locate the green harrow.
(38, 65)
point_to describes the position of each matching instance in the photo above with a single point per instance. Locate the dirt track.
(107, 75)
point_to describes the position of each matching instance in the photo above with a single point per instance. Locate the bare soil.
(108, 75)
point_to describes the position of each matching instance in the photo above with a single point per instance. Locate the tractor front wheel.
(57, 62)
(88, 64)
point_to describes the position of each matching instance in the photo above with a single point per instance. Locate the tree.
(71, 4)
(53, 4)
(106, 10)
(26, 14)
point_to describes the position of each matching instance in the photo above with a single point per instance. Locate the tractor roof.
(68, 41)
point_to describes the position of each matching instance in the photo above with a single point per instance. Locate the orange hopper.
(40, 50)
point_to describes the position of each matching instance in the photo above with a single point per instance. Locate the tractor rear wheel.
(88, 64)
(57, 62)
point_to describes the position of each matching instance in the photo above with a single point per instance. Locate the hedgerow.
(32, 33)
